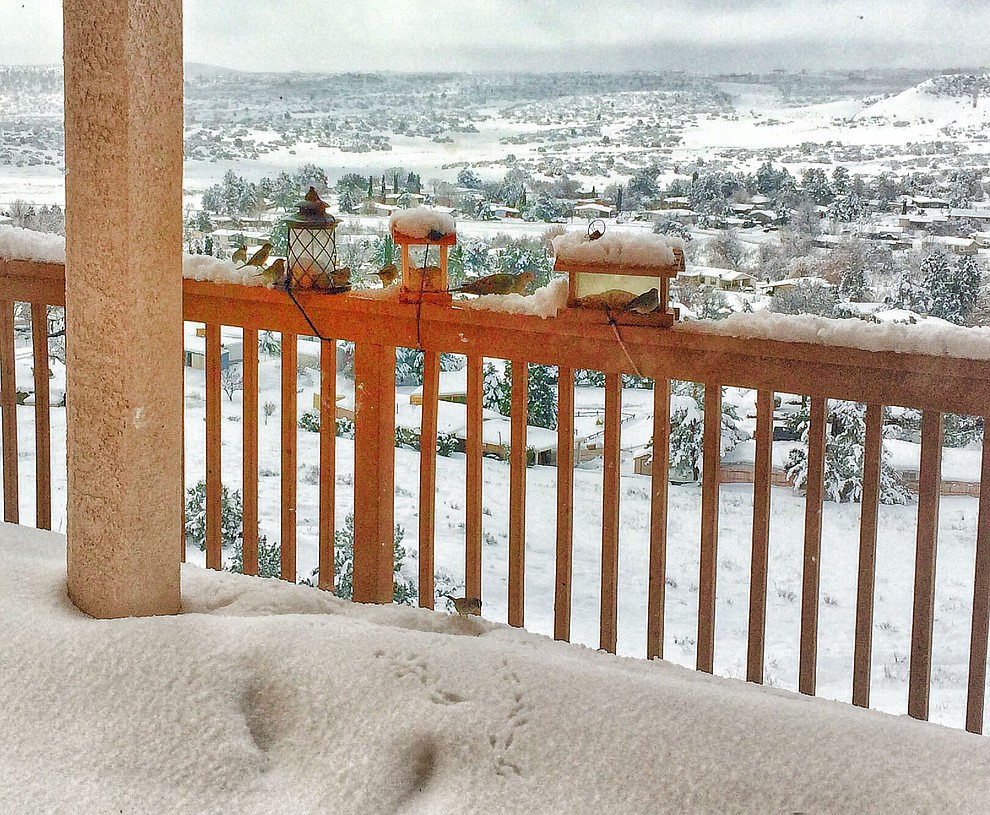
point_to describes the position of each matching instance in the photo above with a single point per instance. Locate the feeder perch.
(312, 247)
(600, 278)
(423, 284)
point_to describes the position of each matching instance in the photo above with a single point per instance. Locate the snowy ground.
(895, 565)
(268, 698)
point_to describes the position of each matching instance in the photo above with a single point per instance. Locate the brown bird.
(388, 275)
(240, 256)
(273, 273)
(466, 606)
(341, 277)
(500, 283)
(259, 257)
(645, 303)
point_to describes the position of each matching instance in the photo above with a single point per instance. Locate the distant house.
(194, 354)
(957, 246)
(594, 210)
(724, 279)
(676, 202)
(763, 216)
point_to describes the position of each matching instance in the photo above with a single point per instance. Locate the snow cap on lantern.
(429, 228)
(312, 248)
(608, 270)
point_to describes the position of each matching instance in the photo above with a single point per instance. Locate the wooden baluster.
(919, 681)
(428, 476)
(289, 448)
(709, 527)
(182, 425)
(249, 451)
(565, 504)
(659, 480)
(8, 404)
(975, 698)
(813, 495)
(42, 417)
(610, 513)
(519, 414)
(863, 652)
(328, 461)
(374, 472)
(762, 468)
(473, 447)
(214, 480)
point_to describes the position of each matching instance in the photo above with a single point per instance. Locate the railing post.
(374, 472)
(123, 151)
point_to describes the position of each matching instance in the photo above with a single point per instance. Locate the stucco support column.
(123, 150)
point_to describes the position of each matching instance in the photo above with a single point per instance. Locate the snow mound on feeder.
(544, 302)
(924, 338)
(26, 244)
(211, 269)
(617, 248)
(420, 221)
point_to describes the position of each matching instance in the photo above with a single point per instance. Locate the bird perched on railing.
(273, 273)
(646, 303)
(341, 277)
(259, 257)
(240, 255)
(388, 275)
(500, 283)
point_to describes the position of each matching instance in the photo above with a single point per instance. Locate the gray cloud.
(695, 35)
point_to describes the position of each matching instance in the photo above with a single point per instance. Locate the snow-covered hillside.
(268, 698)
(959, 100)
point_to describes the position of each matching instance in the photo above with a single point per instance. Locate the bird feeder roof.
(422, 225)
(619, 253)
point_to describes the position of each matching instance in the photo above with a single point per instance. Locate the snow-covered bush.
(231, 512)
(269, 558)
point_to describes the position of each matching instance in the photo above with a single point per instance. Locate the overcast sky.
(698, 35)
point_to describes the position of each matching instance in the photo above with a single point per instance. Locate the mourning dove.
(645, 303)
(259, 257)
(388, 274)
(240, 255)
(500, 283)
(274, 272)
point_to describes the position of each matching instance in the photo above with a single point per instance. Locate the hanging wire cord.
(287, 286)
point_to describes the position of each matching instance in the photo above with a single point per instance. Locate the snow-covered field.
(895, 564)
(268, 698)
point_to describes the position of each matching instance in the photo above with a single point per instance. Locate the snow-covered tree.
(952, 287)
(542, 392)
(805, 297)
(846, 208)
(665, 225)
(687, 427)
(844, 455)
(815, 186)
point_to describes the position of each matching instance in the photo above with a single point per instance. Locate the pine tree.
(844, 456)
(953, 288)
(687, 427)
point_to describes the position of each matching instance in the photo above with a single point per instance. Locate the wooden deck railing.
(571, 341)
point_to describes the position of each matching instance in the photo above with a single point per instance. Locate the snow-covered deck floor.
(271, 698)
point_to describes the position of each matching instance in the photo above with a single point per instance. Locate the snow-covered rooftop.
(264, 697)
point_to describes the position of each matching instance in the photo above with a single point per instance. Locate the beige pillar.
(123, 151)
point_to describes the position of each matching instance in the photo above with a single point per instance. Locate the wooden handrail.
(571, 341)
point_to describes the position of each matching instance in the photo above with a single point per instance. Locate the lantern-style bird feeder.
(312, 248)
(617, 271)
(424, 281)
